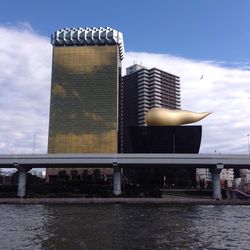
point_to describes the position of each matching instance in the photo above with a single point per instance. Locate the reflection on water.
(124, 227)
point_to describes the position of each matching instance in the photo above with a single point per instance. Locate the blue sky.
(199, 29)
(188, 38)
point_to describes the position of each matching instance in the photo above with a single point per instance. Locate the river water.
(124, 227)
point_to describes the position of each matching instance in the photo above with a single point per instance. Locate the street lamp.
(34, 145)
(248, 143)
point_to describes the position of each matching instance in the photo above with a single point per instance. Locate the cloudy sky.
(25, 71)
(191, 39)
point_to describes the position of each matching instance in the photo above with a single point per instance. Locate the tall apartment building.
(86, 74)
(142, 89)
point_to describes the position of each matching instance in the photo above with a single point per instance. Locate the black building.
(142, 89)
(166, 139)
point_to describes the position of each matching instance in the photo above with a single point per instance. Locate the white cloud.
(25, 66)
(25, 72)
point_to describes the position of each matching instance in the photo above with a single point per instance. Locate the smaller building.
(203, 174)
(245, 176)
(5, 179)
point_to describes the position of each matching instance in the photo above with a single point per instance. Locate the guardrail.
(237, 194)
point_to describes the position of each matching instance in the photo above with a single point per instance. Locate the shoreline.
(167, 201)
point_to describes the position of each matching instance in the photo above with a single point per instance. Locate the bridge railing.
(237, 194)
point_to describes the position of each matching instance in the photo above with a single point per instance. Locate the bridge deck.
(124, 160)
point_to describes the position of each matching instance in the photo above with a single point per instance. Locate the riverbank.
(167, 201)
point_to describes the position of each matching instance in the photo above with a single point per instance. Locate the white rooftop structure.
(133, 69)
(89, 36)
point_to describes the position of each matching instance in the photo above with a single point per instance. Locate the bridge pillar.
(117, 180)
(21, 192)
(215, 172)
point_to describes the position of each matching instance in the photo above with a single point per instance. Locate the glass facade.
(84, 99)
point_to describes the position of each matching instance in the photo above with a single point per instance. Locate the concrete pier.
(21, 192)
(117, 180)
(215, 172)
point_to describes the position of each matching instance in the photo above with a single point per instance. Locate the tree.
(85, 175)
(62, 175)
(97, 175)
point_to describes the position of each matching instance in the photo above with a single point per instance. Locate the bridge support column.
(117, 180)
(215, 172)
(21, 192)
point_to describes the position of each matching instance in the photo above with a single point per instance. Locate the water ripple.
(124, 227)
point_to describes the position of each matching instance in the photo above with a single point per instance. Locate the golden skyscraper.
(84, 91)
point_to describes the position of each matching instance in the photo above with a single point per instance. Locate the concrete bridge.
(215, 162)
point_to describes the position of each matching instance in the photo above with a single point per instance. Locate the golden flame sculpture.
(168, 117)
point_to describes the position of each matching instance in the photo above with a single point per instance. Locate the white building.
(204, 174)
(245, 176)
